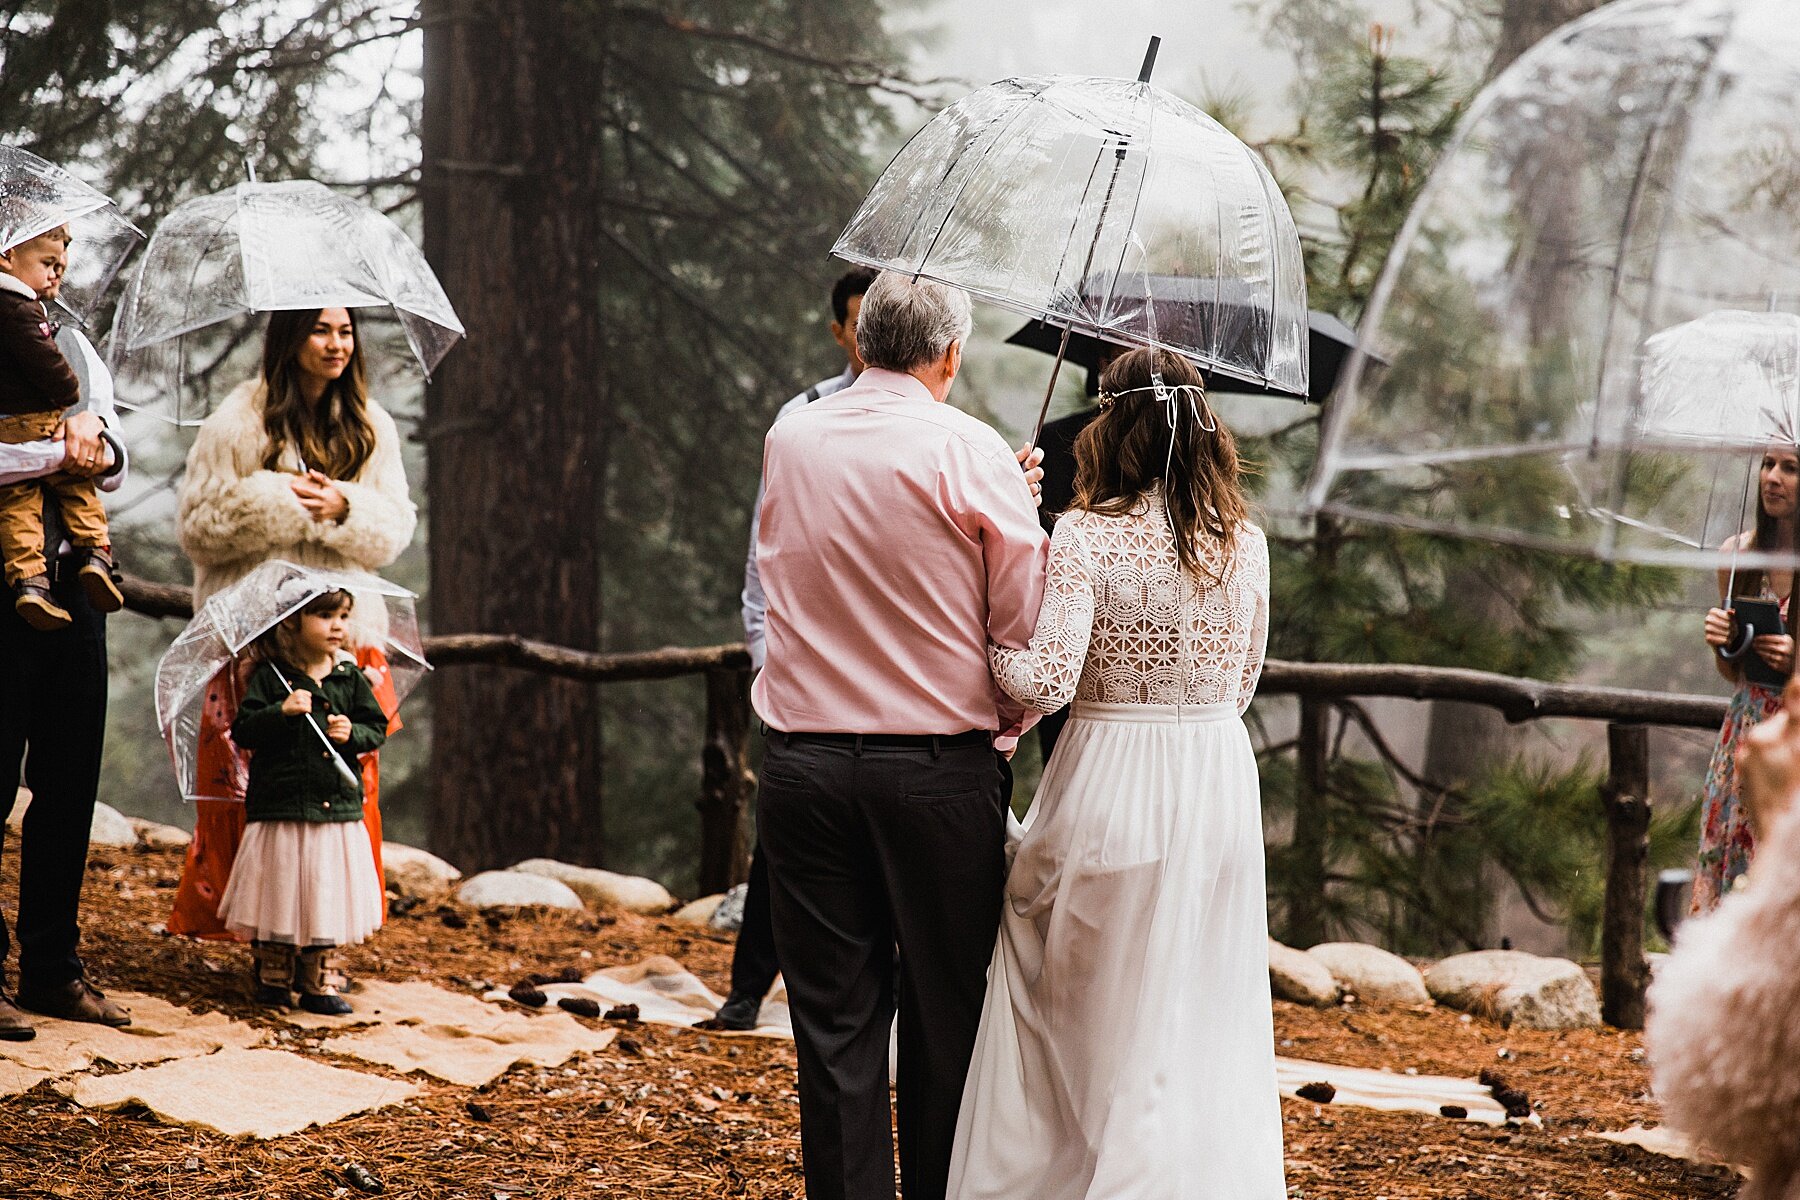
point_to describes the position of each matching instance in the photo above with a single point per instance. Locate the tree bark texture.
(1312, 807)
(726, 781)
(1624, 972)
(511, 185)
(1524, 23)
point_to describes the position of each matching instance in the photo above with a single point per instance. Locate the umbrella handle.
(1731, 653)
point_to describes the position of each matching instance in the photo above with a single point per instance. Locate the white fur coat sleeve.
(1724, 1028)
(232, 509)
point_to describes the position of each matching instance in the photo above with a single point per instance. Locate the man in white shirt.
(753, 965)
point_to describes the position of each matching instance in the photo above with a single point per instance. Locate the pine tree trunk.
(1523, 23)
(516, 450)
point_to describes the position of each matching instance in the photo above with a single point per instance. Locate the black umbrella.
(1329, 341)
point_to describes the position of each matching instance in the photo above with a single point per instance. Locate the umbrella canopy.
(236, 616)
(37, 196)
(258, 248)
(1542, 384)
(1049, 196)
(1328, 340)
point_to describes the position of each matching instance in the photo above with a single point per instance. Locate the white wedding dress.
(1127, 1049)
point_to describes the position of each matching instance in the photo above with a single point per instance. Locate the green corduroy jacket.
(292, 776)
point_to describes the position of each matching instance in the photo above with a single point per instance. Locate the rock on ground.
(158, 836)
(1371, 974)
(729, 916)
(110, 828)
(698, 912)
(516, 889)
(415, 872)
(633, 893)
(1516, 988)
(1297, 976)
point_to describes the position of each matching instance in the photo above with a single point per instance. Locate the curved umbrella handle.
(1730, 652)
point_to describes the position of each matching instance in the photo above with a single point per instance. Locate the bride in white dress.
(1127, 1049)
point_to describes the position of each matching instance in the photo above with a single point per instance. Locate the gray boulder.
(1515, 988)
(633, 893)
(1371, 974)
(729, 916)
(697, 912)
(516, 889)
(1297, 976)
(415, 872)
(158, 836)
(111, 828)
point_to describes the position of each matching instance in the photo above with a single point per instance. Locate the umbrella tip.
(1149, 60)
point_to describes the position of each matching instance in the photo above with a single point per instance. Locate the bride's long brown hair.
(1124, 452)
(335, 435)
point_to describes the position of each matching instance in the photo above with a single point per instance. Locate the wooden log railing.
(727, 784)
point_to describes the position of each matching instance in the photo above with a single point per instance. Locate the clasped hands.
(299, 703)
(319, 496)
(1776, 649)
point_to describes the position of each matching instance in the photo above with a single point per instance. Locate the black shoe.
(270, 995)
(738, 1012)
(14, 1027)
(325, 1004)
(76, 1000)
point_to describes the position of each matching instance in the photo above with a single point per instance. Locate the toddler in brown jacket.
(37, 386)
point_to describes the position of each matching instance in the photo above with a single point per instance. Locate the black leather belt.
(897, 741)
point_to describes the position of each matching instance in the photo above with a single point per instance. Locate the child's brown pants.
(22, 504)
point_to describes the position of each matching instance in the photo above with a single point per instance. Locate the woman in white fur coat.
(1724, 1028)
(298, 464)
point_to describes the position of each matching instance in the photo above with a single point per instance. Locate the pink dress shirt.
(898, 539)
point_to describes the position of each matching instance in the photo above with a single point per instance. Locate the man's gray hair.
(908, 323)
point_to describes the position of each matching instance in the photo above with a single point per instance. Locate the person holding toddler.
(37, 388)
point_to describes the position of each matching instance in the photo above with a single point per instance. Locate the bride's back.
(1160, 635)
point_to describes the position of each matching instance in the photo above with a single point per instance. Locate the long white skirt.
(304, 884)
(1127, 1046)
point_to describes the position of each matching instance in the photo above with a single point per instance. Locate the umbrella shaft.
(1062, 349)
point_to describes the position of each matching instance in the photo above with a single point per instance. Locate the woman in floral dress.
(1725, 841)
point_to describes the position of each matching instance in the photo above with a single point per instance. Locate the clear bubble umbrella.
(37, 196)
(1555, 370)
(1057, 197)
(232, 619)
(259, 248)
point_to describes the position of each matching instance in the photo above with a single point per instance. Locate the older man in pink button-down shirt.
(898, 538)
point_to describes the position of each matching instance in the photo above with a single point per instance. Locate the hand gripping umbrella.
(257, 248)
(235, 617)
(36, 197)
(1048, 196)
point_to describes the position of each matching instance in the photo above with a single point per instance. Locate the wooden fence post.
(725, 781)
(1624, 972)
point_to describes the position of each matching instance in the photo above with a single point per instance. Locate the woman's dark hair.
(278, 642)
(335, 435)
(1124, 452)
(1752, 583)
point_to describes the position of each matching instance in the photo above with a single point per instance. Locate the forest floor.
(676, 1113)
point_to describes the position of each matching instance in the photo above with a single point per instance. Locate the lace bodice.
(1122, 623)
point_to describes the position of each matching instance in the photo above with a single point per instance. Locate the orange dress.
(223, 771)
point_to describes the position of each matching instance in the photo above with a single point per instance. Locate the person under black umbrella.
(1329, 342)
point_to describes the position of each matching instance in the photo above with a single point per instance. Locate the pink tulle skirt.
(304, 884)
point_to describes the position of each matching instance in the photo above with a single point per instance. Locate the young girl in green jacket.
(304, 880)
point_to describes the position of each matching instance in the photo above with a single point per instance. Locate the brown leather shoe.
(14, 1027)
(99, 579)
(76, 1000)
(33, 602)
